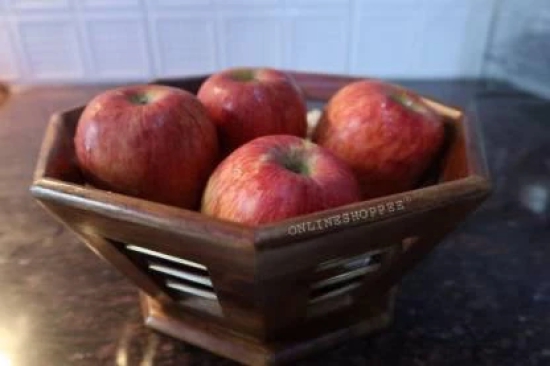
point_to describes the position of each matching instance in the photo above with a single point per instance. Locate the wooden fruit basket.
(273, 293)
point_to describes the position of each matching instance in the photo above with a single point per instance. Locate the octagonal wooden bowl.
(268, 294)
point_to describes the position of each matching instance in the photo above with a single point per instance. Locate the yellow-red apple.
(272, 178)
(149, 141)
(248, 103)
(386, 134)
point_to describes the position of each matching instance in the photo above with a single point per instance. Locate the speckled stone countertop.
(481, 298)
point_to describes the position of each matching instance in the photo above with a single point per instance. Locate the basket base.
(244, 349)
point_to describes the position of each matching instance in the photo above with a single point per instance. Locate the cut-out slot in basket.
(180, 277)
(340, 277)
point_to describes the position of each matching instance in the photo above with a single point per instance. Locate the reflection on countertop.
(4, 93)
(481, 298)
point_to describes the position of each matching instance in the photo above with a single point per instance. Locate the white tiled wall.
(195, 50)
(520, 48)
(99, 40)
(8, 63)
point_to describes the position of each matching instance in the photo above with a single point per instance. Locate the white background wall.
(103, 40)
(520, 48)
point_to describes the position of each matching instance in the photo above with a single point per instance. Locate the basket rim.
(265, 236)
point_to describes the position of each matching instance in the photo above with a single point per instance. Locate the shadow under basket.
(274, 293)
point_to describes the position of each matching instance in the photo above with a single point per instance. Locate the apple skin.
(272, 178)
(386, 134)
(149, 141)
(252, 102)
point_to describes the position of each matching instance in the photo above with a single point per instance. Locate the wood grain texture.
(227, 343)
(264, 277)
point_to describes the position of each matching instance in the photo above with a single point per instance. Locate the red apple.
(276, 177)
(148, 141)
(249, 103)
(386, 134)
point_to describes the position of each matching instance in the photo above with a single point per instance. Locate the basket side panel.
(57, 157)
(237, 293)
(107, 252)
(364, 263)
(427, 230)
(321, 87)
(455, 162)
(283, 301)
(230, 300)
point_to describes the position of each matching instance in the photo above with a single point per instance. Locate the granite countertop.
(481, 298)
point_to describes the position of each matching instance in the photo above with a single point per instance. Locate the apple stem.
(295, 165)
(139, 99)
(407, 102)
(243, 75)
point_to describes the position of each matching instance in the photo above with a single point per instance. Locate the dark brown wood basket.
(269, 294)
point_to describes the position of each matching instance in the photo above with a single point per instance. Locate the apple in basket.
(386, 134)
(150, 141)
(247, 103)
(275, 177)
